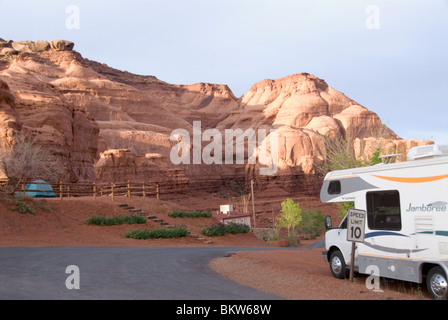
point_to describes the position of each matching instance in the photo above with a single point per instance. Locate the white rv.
(406, 231)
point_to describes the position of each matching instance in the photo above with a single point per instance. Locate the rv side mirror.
(328, 223)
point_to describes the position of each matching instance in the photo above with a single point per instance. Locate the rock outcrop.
(110, 125)
(35, 105)
(37, 46)
(9, 117)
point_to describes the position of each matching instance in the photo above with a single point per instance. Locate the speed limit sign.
(356, 221)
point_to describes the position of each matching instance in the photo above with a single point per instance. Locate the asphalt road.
(125, 273)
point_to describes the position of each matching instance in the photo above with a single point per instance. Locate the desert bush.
(292, 241)
(220, 229)
(25, 159)
(138, 234)
(312, 222)
(192, 214)
(217, 229)
(237, 228)
(27, 204)
(22, 207)
(176, 232)
(103, 221)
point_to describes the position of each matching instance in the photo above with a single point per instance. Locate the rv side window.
(334, 187)
(383, 210)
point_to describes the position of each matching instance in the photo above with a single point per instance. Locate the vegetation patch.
(214, 230)
(191, 214)
(237, 228)
(28, 205)
(312, 222)
(103, 221)
(177, 232)
(22, 207)
(220, 229)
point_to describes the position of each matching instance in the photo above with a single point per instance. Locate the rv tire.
(337, 265)
(436, 283)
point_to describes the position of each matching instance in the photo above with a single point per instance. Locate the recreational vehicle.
(406, 225)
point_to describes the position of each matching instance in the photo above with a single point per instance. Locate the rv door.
(336, 240)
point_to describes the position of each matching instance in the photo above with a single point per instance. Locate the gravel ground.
(303, 275)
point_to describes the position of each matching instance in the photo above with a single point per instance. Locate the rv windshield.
(343, 224)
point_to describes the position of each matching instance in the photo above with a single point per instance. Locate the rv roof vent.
(424, 152)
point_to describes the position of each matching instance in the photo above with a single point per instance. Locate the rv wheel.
(337, 265)
(437, 285)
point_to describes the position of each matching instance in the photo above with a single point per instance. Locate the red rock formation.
(9, 118)
(41, 109)
(88, 113)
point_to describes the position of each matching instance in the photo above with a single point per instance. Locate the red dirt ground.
(296, 274)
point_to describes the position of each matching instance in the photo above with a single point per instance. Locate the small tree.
(25, 159)
(339, 154)
(290, 216)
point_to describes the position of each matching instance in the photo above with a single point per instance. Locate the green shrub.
(237, 228)
(103, 221)
(313, 222)
(22, 207)
(176, 232)
(214, 230)
(138, 234)
(220, 229)
(192, 214)
(134, 219)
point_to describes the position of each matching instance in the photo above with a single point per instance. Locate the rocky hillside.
(111, 125)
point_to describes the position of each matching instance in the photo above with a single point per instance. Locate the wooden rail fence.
(63, 189)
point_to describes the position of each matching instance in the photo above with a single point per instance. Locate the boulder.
(62, 45)
(31, 46)
(23, 46)
(5, 44)
(41, 45)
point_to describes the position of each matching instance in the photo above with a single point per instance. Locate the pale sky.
(391, 56)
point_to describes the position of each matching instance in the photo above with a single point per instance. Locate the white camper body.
(406, 231)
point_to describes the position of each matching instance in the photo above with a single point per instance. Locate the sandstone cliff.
(110, 125)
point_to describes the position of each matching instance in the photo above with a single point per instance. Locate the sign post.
(355, 232)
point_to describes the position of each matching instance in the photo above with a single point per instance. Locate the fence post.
(61, 191)
(144, 191)
(157, 191)
(23, 190)
(112, 188)
(129, 188)
(253, 203)
(94, 190)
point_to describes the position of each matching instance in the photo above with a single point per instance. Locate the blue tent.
(38, 189)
